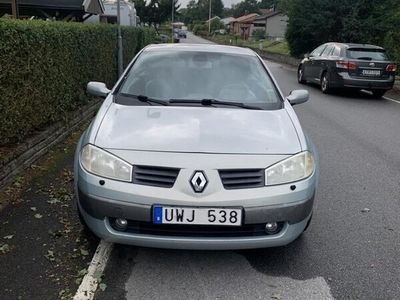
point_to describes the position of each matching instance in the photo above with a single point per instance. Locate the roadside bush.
(200, 29)
(259, 34)
(392, 44)
(45, 66)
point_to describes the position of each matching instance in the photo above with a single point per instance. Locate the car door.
(310, 67)
(322, 62)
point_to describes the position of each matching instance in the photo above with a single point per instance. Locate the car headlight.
(104, 164)
(291, 169)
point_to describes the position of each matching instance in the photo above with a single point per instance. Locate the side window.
(336, 51)
(327, 51)
(318, 51)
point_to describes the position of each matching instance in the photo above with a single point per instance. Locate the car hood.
(197, 130)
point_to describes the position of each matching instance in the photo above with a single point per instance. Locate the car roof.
(354, 45)
(201, 48)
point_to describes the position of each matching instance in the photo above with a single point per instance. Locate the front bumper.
(104, 230)
(98, 211)
(101, 208)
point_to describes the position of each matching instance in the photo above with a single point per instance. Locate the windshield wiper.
(210, 102)
(145, 99)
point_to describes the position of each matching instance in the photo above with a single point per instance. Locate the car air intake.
(242, 178)
(246, 230)
(155, 176)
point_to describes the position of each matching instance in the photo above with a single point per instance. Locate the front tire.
(378, 93)
(300, 75)
(325, 85)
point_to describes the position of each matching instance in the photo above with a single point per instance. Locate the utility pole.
(172, 19)
(14, 9)
(209, 18)
(119, 40)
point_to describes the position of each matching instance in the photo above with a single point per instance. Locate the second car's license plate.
(371, 72)
(197, 216)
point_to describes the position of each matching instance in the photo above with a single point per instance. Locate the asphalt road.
(352, 248)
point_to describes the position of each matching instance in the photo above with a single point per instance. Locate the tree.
(165, 10)
(155, 12)
(314, 22)
(141, 10)
(246, 6)
(199, 10)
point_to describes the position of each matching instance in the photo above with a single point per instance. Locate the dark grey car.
(339, 65)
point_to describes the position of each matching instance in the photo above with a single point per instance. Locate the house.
(127, 9)
(212, 19)
(273, 22)
(227, 21)
(242, 25)
(65, 10)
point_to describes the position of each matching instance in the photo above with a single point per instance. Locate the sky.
(227, 3)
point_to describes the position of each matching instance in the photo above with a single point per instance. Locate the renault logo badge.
(198, 181)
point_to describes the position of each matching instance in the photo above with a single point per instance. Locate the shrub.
(200, 29)
(259, 34)
(45, 66)
(392, 45)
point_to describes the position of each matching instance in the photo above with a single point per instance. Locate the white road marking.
(91, 280)
(390, 99)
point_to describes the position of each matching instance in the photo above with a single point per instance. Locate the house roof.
(268, 15)
(227, 20)
(213, 18)
(245, 19)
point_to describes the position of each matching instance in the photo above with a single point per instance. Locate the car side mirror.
(298, 97)
(98, 89)
(307, 55)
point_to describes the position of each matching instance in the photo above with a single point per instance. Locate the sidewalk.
(43, 251)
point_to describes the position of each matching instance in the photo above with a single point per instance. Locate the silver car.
(195, 147)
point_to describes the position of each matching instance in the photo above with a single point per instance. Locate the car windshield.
(367, 54)
(193, 75)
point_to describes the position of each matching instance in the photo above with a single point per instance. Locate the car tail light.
(391, 68)
(351, 65)
(344, 64)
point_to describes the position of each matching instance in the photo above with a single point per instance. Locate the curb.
(89, 284)
(34, 148)
(280, 58)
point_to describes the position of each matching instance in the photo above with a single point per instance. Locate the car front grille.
(242, 178)
(155, 176)
(248, 230)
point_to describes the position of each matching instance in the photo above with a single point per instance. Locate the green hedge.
(392, 45)
(45, 66)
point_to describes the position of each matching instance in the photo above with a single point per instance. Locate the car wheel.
(325, 88)
(300, 75)
(378, 93)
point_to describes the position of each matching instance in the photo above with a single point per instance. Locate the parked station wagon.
(196, 147)
(356, 66)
